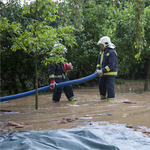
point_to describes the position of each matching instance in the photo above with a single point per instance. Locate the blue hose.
(71, 82)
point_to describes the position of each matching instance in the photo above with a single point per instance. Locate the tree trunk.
(36, 71)
(36, 82)
(147, 75)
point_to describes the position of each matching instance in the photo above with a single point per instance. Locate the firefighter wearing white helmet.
(57, 74)
(105, 40)
(107, 68)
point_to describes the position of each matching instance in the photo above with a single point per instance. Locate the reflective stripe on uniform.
(101, 59)
(102, 97)
(98, 65)
(51, 76)
(107, 68)
(58, 76)
(107, 54)
(110, 73)
(55, 76)
(63, 75)
(71, 98)
(110, 99)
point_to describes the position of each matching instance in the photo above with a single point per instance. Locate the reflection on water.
(11, 112)
(130, 88)
(88, 106)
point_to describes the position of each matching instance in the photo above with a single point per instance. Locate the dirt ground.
(131, 107)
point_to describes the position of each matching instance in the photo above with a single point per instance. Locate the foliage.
(17, 67)
(147, 33)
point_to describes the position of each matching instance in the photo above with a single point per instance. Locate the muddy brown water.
(87, 109)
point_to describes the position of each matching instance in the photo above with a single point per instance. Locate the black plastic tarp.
(108, 137)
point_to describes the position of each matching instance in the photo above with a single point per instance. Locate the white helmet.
(61, 45)
(105, 40)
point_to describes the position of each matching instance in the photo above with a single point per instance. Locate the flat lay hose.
(42, 89)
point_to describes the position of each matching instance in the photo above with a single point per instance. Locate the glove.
(68, 67)
(71, 66)
(99, 72)
(52, 84)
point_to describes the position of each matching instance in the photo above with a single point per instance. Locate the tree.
(147, 46)
(142, 40)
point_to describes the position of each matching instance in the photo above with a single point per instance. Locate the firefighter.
(58, 74)
(107, 67)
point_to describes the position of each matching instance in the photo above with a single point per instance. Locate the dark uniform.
(107, 61)
(58, 73)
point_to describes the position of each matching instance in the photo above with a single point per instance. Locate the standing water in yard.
(131, 109)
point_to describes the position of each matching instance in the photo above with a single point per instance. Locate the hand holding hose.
(52, 84)
(99, 72)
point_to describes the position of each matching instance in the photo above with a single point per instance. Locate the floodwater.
(131, 107)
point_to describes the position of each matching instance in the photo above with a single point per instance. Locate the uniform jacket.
(56, 71)
(107, 61)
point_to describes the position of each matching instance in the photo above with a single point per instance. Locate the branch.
(17, 42)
